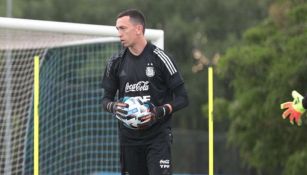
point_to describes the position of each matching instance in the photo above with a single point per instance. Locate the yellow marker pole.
(210, 119)
(36, 115)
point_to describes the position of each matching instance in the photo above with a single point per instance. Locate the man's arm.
(110, 85)
(107, 99)
(179, 101)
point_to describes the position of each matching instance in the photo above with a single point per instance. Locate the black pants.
(151, 159)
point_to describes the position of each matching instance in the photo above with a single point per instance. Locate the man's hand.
(157, 113)
(117, 108)
(294, 109)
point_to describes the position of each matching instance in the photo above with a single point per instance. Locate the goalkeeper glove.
(117, 108)
(161, 111)
(157, 113)
(294, 109)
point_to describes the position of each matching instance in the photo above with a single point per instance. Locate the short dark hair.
(135, 15)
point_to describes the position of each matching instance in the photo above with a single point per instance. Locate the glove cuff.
(299, 107)
(298, 102)
(162, 111)
(111, 106)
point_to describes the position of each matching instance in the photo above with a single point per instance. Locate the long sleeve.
(107, 98)
(181, 99)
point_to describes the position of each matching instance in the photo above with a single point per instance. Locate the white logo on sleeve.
(139, 86)
(164, 163)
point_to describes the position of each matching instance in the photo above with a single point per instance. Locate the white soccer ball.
(135, 110)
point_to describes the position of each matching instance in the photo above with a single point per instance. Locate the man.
(295, 108)
(143, 70)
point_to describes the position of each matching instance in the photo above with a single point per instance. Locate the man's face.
(127, 31)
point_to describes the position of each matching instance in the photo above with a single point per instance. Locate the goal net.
(75, 135)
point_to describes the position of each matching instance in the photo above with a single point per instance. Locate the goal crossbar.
(154, 35)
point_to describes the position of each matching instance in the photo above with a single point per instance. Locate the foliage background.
(261, 44)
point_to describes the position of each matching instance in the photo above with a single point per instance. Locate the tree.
(262, 71)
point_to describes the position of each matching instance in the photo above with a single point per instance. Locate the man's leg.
(159, 155)
(133, 160)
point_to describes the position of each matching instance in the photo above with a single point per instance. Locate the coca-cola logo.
(139, 86)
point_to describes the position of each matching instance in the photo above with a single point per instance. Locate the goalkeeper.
(144, 71)
(295, 108)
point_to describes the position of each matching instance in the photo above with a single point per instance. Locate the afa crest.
(150, 71)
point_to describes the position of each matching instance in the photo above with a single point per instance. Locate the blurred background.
(258, 48)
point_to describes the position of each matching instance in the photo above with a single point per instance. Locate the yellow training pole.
(210, 119)
(36, 115)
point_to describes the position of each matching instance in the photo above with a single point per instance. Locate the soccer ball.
(135, 110)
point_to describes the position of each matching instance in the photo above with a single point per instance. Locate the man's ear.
(139, 29)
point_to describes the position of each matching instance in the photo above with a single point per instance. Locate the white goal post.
(75, 135)
(154, 35)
